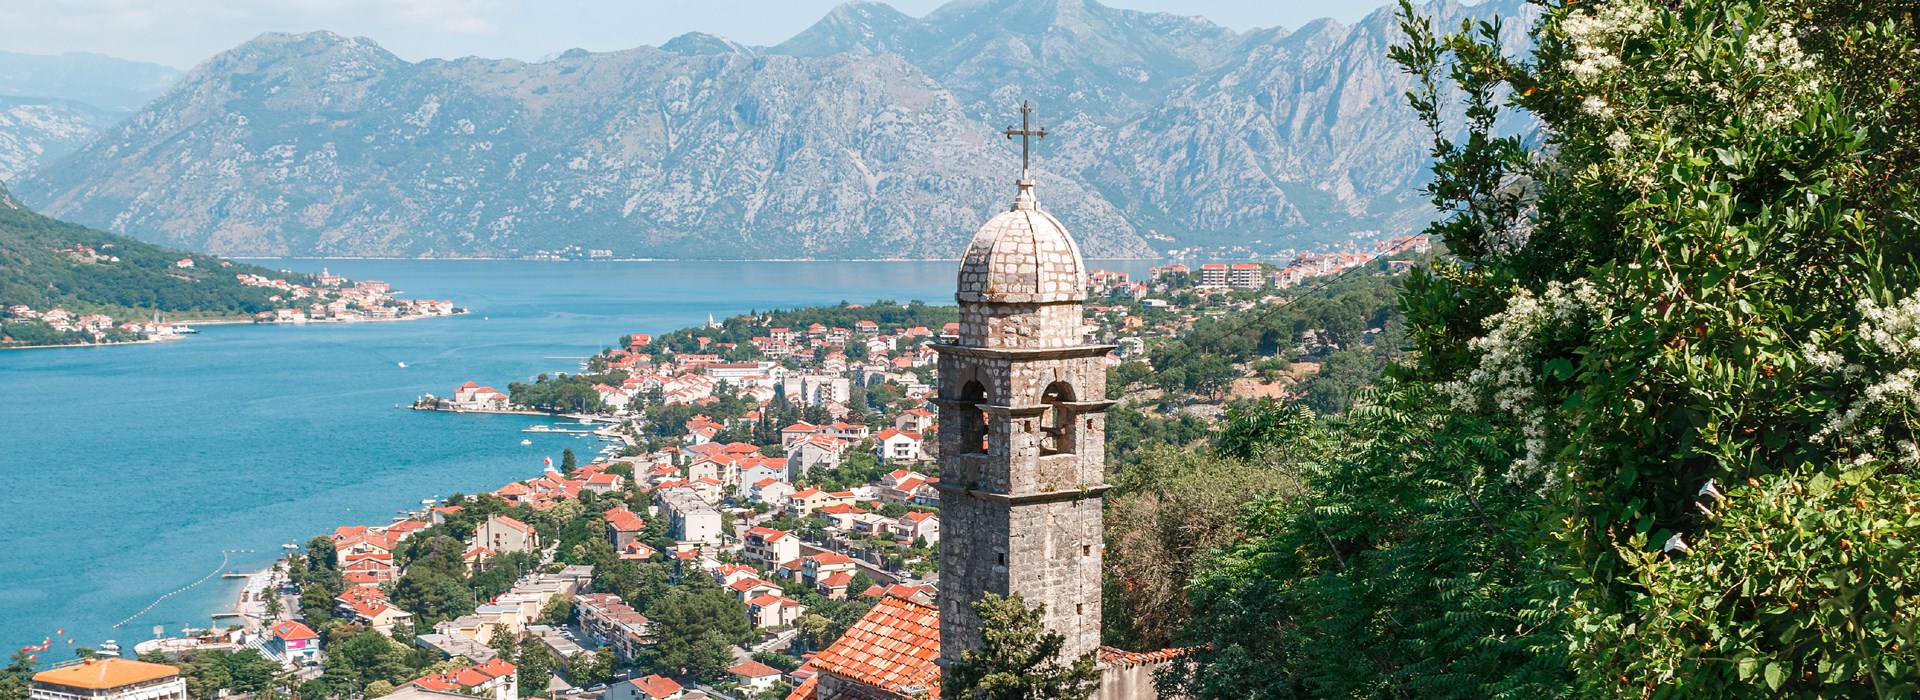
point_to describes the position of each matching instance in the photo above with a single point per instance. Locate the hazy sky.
(182, 33)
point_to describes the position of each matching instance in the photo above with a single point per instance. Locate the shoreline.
(228, 322)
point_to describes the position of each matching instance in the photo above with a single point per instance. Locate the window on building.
(1057, 424)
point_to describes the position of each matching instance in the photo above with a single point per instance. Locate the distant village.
(331, 298)
(336, 298)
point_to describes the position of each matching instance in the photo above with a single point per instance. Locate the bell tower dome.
(1022, 281)
(1023, 405)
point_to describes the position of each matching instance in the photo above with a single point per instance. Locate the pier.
(225, 555)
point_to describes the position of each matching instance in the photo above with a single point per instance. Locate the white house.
(895, 446)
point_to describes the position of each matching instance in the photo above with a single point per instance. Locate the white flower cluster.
(1508, 357)
(1773, 51)
(1593, 36)
(1893, 331)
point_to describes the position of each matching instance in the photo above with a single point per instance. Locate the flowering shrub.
(1659, 439)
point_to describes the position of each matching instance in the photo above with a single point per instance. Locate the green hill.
(46, 263)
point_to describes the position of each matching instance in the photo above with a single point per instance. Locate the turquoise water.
(129, 469)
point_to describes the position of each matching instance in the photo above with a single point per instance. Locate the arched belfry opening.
(1056, 423)
(973, 429)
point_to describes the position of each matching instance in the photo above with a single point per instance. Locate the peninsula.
(63, 284)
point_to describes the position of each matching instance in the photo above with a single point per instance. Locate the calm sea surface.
(130, 469)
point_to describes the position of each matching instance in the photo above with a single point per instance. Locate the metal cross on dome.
(1025, 132)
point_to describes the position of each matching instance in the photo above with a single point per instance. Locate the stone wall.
(1128, 681)
(1021, 326)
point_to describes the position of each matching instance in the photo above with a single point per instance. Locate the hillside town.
(781, 469)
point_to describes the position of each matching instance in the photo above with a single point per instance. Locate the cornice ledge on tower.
(1074, 494)
(1026, 353)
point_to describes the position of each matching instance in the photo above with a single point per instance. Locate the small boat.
(402, 365)
(524, 441)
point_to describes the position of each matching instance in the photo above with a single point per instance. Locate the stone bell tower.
(1022, 431)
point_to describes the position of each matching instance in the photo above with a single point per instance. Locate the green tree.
(1643, 446)
(320, 553)
(567, 461)
(687, 622)
(1018, 659)
(535, 666)
(18, 676)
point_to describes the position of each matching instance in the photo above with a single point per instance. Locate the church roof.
(1022, 255)
(893, 647)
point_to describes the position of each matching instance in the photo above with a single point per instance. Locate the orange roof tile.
(892, 647)
(753, 669)
(292, 629)
(105, 674)
(624, 520)
(656, 686)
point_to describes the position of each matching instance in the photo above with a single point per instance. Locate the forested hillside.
(46, 263)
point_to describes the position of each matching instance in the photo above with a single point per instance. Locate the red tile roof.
(753, 669)
(892, 647)
(292, 630)
(1110, 656)
(625, 520)
(656, 686)
(806, 690)
(510, 522)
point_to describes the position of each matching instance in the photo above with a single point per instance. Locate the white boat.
(403, 365)
(524, 441)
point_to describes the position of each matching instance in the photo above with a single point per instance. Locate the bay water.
(135, 471)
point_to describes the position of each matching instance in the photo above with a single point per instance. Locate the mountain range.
(872, 134)
(52, 105)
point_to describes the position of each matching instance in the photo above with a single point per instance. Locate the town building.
(646, 688)
(755, 675)
(1214, 275)
(623, 527)
(768, 547)
(1246, 276)
(293, 642)
(503, 534)
(610, 621)
(108, 679)
(897, 446)
(690, 518)
(494, 679)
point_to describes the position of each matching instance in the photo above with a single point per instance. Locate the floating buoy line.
(224, 554)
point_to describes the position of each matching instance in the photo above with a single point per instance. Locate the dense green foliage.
(1018, 659)
(34, 272)
(1348, 324)
(1657, 439)
(17, 676)
(695, 627)
(562, 392)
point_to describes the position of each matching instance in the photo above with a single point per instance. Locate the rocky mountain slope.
(871, 134)
(51, 105)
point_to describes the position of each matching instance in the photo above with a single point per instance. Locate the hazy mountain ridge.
(871, 134)
(51, 105)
